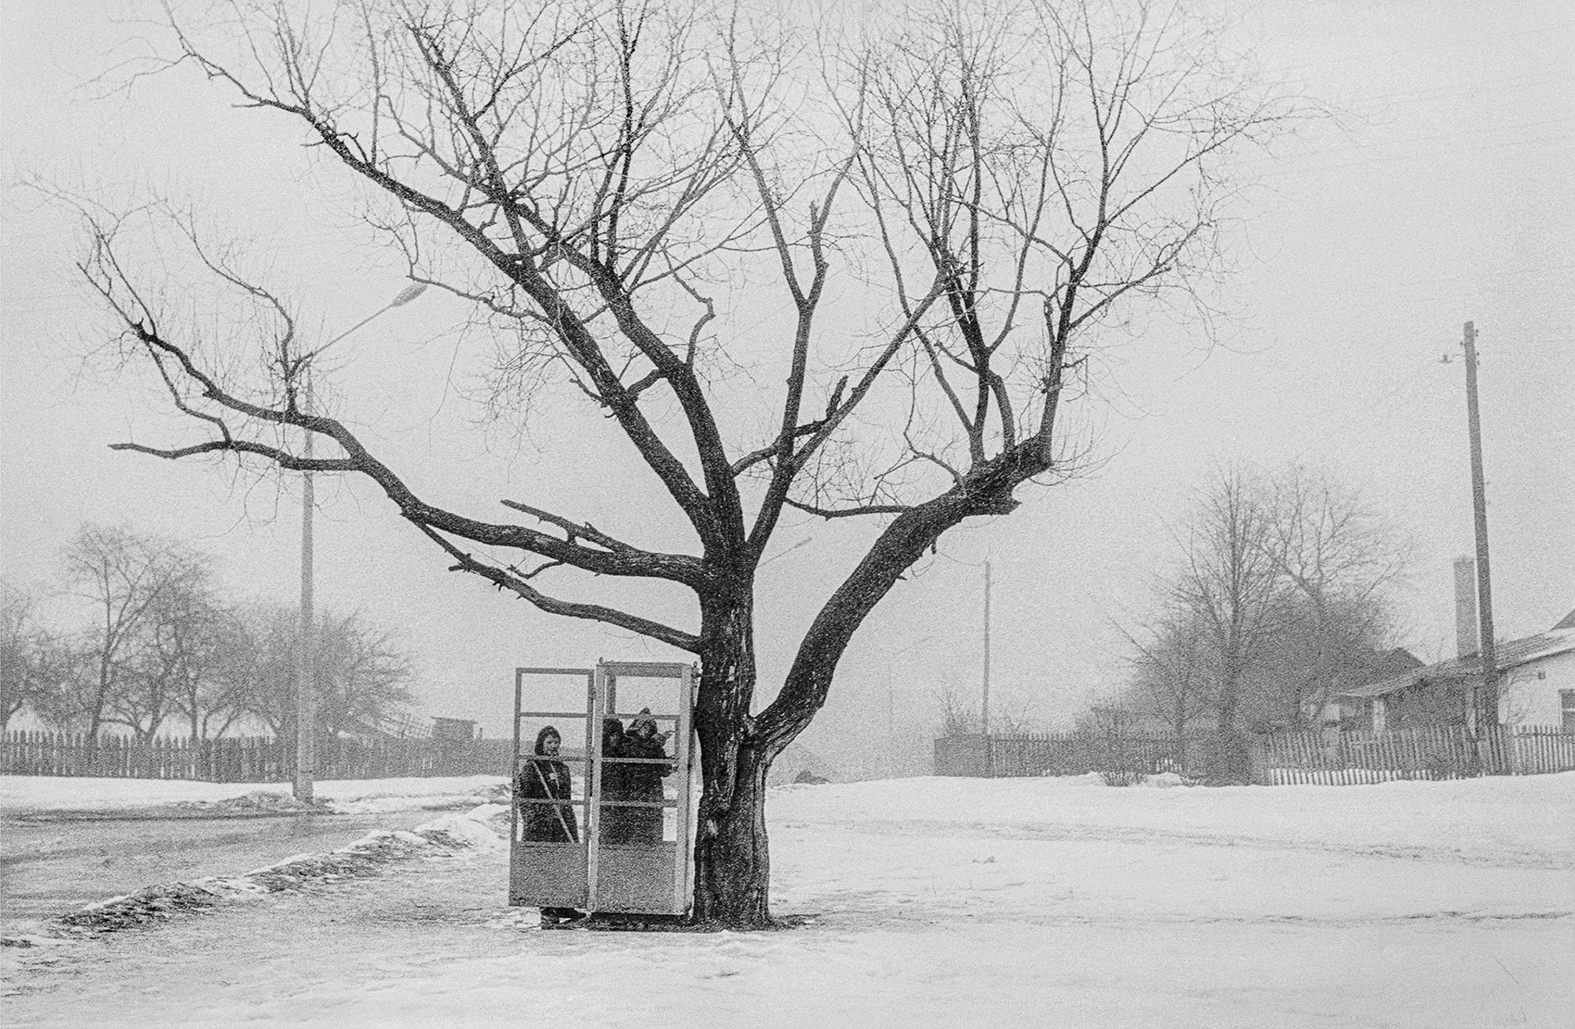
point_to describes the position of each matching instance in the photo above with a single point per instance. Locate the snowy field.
(936, 902)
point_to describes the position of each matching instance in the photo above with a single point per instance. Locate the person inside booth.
(644, 781)
(545, 778)
(614, 822)
(544, 789)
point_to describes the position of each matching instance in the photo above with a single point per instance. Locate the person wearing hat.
(645, 778)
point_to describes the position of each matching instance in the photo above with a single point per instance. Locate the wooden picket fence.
(246, 758)
(1324, 758)
(1434, 752)
(1070, 753)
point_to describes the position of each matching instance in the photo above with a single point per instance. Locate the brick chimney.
(1465, 607)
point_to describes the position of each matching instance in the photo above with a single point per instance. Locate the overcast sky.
(1445, 193)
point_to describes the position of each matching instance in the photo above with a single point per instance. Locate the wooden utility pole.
(305, 672)
(984, 707)
(891, 730)
(984, 711)
(1487, 694)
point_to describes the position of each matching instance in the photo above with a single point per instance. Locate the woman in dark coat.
(545, 778)
(645, 780)
(544, 790)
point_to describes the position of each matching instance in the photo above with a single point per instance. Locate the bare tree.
(176, 653)
(1170, 674)
(124, 577)
(958, 717)
(1015, 182)
(1278, 599)
(1315, 653)
(368, 676)
(363, 676)
(193, 654)
(24, 679)
(1230, 583)
(1340, 558)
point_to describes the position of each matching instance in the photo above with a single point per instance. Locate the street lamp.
(305, 674)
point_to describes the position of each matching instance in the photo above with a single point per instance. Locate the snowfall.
(927, 902)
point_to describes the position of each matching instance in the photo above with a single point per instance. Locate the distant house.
(453, 729)
(796, 762)
(1536, 687)
(1354, 712)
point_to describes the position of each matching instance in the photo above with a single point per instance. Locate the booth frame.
(597, 891)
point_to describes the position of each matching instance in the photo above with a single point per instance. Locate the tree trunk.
(732, 856)
(1230, 763)
(732, 859)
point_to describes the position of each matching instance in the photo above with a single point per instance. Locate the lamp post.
(305, 672)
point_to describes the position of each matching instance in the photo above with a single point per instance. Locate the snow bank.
(29, 793)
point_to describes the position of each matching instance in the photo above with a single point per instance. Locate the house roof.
(1399, 660)
(1558, 640)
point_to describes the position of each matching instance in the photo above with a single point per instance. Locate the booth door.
(548, 840)
(640, 792)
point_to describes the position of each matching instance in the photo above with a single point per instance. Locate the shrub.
(1122, 777)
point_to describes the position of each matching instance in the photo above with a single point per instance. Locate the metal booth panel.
(640, 803)
(546, 870)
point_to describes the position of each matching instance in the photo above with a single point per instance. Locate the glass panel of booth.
(551, 786)
(639, 860)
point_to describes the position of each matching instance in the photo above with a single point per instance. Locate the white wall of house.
(1530, 693)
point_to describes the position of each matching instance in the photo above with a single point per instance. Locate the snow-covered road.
(937, 903)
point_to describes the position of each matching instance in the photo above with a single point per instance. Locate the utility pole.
(891, 730)
(984, 708)
(985, 703)
(305, 673)
(1487, 695)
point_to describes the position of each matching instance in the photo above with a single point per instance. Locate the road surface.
(56, 863)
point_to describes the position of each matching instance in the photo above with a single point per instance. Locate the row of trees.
(155, 646)
(1278, 598)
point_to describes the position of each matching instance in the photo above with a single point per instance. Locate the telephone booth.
(605, 825)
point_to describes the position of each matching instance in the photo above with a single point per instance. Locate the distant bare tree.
(1010, 184)
(958, 717)
(193, 654)
(363, 676)
(1316, 653)
(175, 660)
(124, 577)
(1278, 599)
(369, 676)
(23, 654)
(1341, 558)
(1171, 679)
(1229, 584)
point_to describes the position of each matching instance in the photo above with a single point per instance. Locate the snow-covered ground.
(28, 793)
(936, 902)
